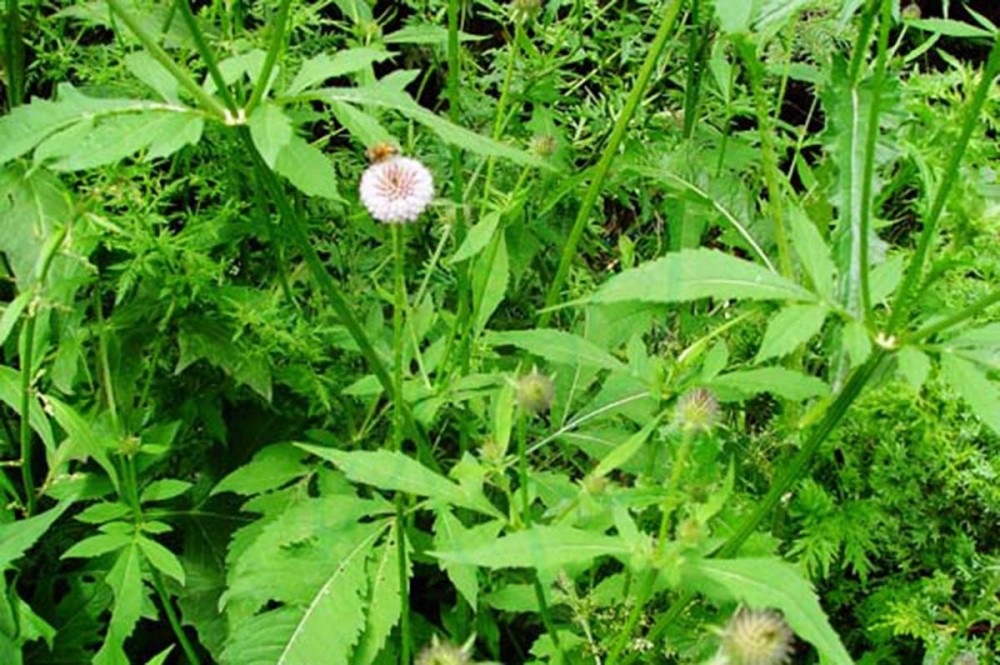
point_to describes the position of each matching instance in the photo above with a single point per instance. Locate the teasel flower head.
(525, 10)
(535, 392)
(445, 653)
(697, 410)
(396, 189)
(543, 145)
(757, 637)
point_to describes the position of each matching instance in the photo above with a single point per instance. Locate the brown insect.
(380, 152)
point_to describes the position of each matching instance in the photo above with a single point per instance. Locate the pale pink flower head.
(396, 189)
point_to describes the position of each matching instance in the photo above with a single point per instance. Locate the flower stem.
(14, 53)
(27, 346)
(904, 296)
(206, 53)
(181, 75)
(951, 321)
(604, 165)
(274, 48)
(173, 619)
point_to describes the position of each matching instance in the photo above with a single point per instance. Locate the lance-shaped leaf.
(556, 346)
(540, 547)
(699, 273)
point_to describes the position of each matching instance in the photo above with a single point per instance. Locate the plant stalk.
(26, 360)
(14, 54)
(635, 97)
(914, 270)
(277, 39)
(206, 53)
(951, 321)
(173, 619)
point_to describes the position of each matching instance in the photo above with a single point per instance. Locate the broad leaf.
(125, 580)
(17, 537)
(451, 535)
(971, 383)
(477, 238)
(775, 380)
(789, 329)
(540, 547)
(269, 469)
(320, 68)
(307, 168)
(556, 346)
(770, 583)
(698, 273)
(397, 472)
(271, 131)
(384, 606)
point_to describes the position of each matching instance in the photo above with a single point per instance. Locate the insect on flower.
(393, 188)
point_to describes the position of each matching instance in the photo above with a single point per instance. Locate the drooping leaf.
(981, 394)
(426, 34)
(307, 168)
(778, 381)
(17, 537)
(556, 346)
(698, 273)
(271, 130)
(490, 278)
(789, 329)
(161, 558)
(770, 583)
(125, 580)
(451, 535)
(396, 472)
(320, 68)
(384, 606)
(269, 469)
(477, 238)
(10, 394)
(83, 440)
(813, 253)
(540, 547)
(914, 365)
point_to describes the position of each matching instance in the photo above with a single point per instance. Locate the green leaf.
(83, 441)
(161, 658)
(789, 329)
(698, 273)
(10, 394)
(556, 346)
(17, 537)
(949, 27)
(383, 601)
(971, 383)
(770, 583)
(307, 168)
(914, 365)
(271, 131)
(125, 580)
(735, 16)
(12, 314)
(103, 512)
(362, 126)
(621, 455)
(778, 381)
(145, 67)
(490, 278)
(450, 535)
(95, 546)
(539, 547)
(269, 469)
(396, 472)
(165, 489)
(857, 342)
(477, 238)
(323, 67)
(427, 34)
(162, 559)
(380, 94)
(813, 253)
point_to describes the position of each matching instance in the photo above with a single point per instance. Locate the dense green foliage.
(699, 337)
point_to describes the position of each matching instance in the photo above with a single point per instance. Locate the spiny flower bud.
(525, 10)
(535, 392)
(697, 410)
(911, 11)
(757, 637)
(444, 653)
(965, 658)
(543, 145)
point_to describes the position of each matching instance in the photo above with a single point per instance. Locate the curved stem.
(173, 619)
(604, 165)
(953, 320)
(277, 38)
(206, 53)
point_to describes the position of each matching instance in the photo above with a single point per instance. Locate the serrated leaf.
(477, 238)
(269, 469)
(323, 67)
(17, 537)
(125, 580)
(813, 253)
(914, 365)
(164, 489)
(307, 168)
(362, 126)
(426, 34)
(789, 329)
(770, 583)
(82, 441)
(271, 131)
(949, 27)
(490, 278)
(396, 472)
(775, 380)
(540, 547)
(857, 342)
(94, 546)
(162, 559)
(102, 512)
(384, 607)
(981, 394)
(12, 314)
(451, 535)
(698, 273)
(556, 346)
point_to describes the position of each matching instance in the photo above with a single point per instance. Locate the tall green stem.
(610, 151)
(951, 321)
(398, 420)
(277, 39)
(869, 167)
(769, 158)
(181, 75)
(173, 619)
(26, 360)
(914, 270)
(14, 53)
(206, 53)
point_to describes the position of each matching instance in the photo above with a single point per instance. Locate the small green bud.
(525, 10)
(911, 11)
(542, 145)
(535, 392)
(444, 653)
(129, 446)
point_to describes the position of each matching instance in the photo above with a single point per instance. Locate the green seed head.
(443, 653)
(697, 411)
(757, 637)
(525, 10)
(535, 392)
